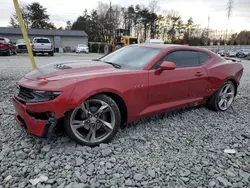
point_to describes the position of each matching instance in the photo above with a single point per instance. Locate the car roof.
(170, 46)
(41, 38)
(161, 46)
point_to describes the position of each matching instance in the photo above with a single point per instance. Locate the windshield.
(132, 57)
(41, 41)
(82, 45)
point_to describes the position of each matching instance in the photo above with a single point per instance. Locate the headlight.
(47, 93)
(33, 96)
(41, 96)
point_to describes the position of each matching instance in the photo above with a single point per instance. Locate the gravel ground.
(184, 149)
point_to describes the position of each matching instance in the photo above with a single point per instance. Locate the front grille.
(22, 47)
(25, 94)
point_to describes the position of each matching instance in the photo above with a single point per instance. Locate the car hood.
(73, 69)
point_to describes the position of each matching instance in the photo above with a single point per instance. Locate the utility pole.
(208, 21)
(110, 12)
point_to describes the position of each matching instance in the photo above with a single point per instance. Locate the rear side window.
(183, 58)
(203, 57)
(41, 41)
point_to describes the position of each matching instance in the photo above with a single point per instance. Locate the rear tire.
(98, 115)
(51, 53)
(34, 53)
(226, 93)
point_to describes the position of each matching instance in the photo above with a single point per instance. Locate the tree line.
(143, 21)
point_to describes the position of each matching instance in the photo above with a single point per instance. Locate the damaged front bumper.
(40, 124)
(36, 109)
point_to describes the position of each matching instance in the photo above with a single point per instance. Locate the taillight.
(52, 46)
(32, 46)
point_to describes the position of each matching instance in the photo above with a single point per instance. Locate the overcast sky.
(62, 10)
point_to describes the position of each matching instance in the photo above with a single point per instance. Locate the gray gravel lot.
(184, 149)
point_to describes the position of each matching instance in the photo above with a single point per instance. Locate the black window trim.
(156, 65)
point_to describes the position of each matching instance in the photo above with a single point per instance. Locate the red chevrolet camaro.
(94, 98)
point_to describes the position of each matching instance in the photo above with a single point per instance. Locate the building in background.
(60, 38)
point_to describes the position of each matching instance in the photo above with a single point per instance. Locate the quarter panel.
(221, 71)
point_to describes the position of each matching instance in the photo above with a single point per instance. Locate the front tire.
(95, 121)
(8, 53)
(223, 98)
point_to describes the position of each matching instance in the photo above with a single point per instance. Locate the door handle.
(199, 74)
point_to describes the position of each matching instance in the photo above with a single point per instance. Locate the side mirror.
(166, 65)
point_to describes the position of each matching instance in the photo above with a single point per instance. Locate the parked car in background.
(223, 52)
(154, 41)
(42, 45)
(7, 47)
(21, 46)
(243, 53)
(232, 53)
(82, 48)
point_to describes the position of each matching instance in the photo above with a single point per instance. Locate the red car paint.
(145, 92)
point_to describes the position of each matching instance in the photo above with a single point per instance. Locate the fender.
(95, 92)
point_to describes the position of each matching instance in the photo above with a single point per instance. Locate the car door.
(187, 83)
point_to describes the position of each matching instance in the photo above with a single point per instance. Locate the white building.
(60, 38)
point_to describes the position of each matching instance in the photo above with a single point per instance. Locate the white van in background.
(154, 41)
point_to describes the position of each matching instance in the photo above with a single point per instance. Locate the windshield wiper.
(111, 63)
(114, 64)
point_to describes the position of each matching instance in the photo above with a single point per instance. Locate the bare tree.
(25, 13)
(153, 6)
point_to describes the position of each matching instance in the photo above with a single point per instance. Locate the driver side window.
(182, 58)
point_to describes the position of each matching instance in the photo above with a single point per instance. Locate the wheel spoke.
(85, 107)
(221, 102)
(76, 124)
(106, 124)
(230, 94)
(225, 103)
(226, 88)
(103, 108)
(91, 136)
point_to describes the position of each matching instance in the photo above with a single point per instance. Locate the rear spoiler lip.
(232, 59)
